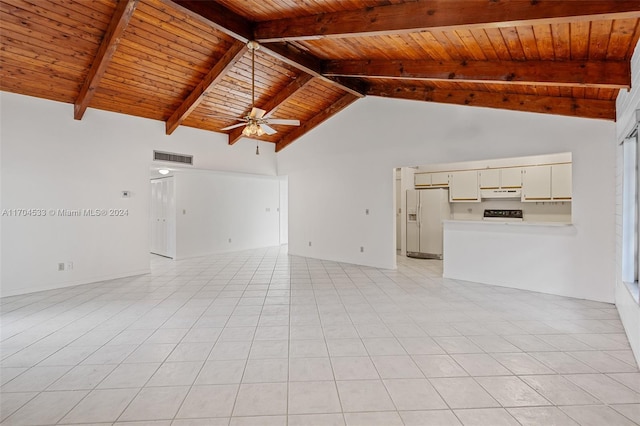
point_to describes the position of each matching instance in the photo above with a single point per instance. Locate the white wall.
(526, 256)
(212, 208)
(284, 210)
(627, 106)
(211, 150)
(345, 166)
(51, 161)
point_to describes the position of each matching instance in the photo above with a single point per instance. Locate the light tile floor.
(263, 338)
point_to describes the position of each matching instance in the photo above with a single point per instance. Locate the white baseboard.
(55, 286)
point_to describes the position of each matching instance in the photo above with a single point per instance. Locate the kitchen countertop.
(510, 223)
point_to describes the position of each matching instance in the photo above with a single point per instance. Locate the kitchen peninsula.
(523, 255)
(532, 242)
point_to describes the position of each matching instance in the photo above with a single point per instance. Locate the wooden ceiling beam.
(316, 120)
(585, 108)
(219, 17)
(119, 22)
(423, 15)
(610, 75)
(217, 73)
(275, 102)
(311, 65)
(241, 29)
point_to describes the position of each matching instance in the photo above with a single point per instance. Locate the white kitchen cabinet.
(438, 179)
(536, 183)
(561, 181)
(422, 179)
(463, 186)
(489, 178)
(511, 177)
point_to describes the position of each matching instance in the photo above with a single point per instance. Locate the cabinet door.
(440, 179)
(561, 181)
(511, 177)
(489, 179)
(536, 183)
(422, 179)
(463, 186)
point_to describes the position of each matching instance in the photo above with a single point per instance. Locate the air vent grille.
(173, 158)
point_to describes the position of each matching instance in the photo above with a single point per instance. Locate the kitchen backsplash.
(532, 212)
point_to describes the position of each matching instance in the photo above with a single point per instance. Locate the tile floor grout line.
(412, 302)
(68, 345)
(118, 365)
(207, 357)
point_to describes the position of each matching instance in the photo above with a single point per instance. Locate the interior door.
(398, 215)
(153, 231)
(161, 204)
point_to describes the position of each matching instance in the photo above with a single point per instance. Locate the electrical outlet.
(366, 212)
(361, 249)
(61, 266)
(309, 243)
(229, 239)
(69, 266)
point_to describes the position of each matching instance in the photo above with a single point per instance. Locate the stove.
(503, 215)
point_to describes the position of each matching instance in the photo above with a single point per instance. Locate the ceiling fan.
(256, 124)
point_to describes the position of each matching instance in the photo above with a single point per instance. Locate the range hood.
(501, 193)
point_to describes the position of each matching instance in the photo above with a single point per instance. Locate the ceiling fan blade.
(284, 122)
(233, 126)
(257, 112)
(268, 130)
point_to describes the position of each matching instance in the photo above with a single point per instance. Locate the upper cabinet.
(510, 177)
(540, 183)
(463, 186)
(422, 179)
(489, 178)
(433, 179)
(547, 183)
(536, 183)
(561, 182)
(440, 179)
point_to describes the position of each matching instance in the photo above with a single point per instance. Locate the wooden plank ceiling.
(186, 62)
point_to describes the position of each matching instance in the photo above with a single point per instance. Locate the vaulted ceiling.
(186, 62)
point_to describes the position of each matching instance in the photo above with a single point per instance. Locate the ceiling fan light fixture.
(253, 129)
(253, 45)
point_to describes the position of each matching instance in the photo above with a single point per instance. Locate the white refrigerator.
(426, 209)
